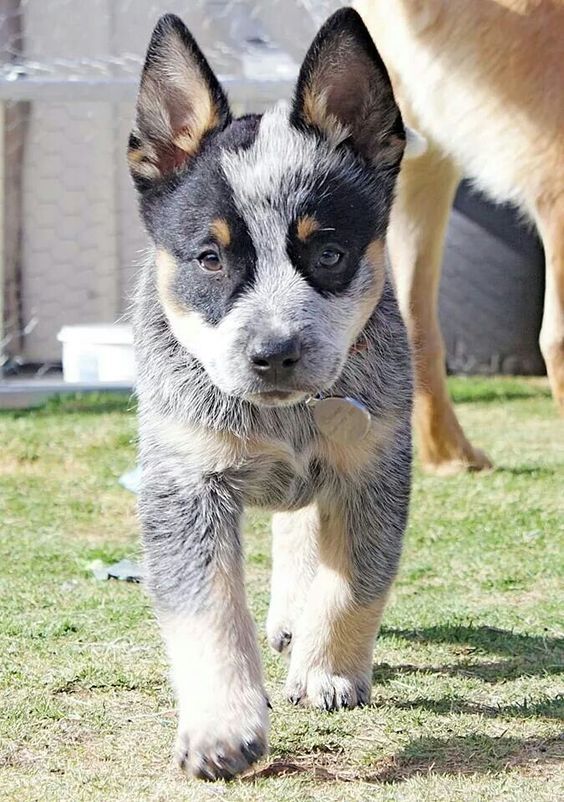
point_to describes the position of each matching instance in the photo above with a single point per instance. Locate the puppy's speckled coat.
(267, 268)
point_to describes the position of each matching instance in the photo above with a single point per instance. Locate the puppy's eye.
(330, 257)
(209, 260)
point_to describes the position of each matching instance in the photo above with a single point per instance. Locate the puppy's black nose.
(274, 358)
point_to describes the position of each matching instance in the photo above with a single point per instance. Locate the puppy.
(483, 82)
(274, 371)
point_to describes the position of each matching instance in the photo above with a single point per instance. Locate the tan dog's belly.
(483, 82)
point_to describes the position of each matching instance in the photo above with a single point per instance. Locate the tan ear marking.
(221, 231)
(314, 106)
(140, 161)
(314, 110)
(204, 118)
(306, 226)
(136, 155)
(179, 103)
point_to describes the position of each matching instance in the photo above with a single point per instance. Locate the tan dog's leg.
(425, 193)
(550, 221)
(331, 660)
(294, 562)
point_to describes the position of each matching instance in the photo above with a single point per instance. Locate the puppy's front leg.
(195, 571)
(360, 537)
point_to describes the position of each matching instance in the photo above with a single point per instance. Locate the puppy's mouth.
(277, 398)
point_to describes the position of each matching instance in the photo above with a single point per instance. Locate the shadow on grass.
(547, 709)
(490, 672)
(469, 754)
(528, 655)
(535, 471)
(483, 639)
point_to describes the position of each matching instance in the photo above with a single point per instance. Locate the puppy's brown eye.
(209, 260)
(330, 257)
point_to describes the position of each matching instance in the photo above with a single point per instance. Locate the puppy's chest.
(272, 471)
(278, 477)
(283, 476)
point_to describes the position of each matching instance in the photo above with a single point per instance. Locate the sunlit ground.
(466, 671)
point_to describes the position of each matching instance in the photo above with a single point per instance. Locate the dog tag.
(344, 420)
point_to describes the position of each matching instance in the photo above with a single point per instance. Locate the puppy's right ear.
(179, 102)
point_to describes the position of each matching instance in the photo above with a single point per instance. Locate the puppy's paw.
(227, 744)
(326, 690)
(283, 613)
(218, 759)
(279, 634)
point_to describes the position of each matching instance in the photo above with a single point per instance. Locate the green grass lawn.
(466, 670)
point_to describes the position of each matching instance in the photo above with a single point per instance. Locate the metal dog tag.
(343, 420)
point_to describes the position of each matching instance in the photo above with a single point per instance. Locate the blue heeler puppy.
(274, 371)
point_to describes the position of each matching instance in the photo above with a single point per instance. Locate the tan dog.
(484, 83)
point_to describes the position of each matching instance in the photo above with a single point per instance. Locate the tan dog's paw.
(228, 744)
(469, 459)
(328, 691)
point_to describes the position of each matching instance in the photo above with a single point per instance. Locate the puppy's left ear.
(344, 91)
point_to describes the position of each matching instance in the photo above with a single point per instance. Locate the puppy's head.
(269, 231)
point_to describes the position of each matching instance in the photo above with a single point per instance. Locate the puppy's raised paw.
(280, 639)
(327, 691)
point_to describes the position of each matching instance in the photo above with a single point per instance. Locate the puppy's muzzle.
(274, 360)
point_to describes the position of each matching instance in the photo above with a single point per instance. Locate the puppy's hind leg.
(294, 562)
(359, 540)
(425, 192)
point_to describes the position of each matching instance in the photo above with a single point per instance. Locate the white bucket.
(98, 353)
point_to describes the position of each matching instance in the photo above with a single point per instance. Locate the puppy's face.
(268, 230)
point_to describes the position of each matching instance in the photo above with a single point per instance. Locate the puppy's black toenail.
(282, 641)
(203, 769)
(252, 750)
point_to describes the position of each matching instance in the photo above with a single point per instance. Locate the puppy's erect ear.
(179, 102)
(344, 91)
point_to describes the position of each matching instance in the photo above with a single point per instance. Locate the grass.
(466, 673)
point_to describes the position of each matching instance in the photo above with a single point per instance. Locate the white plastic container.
(98, 353)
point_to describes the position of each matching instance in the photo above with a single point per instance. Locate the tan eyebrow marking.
(306, 227)
(220, 230)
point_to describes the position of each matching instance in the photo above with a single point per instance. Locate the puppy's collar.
(343, 420)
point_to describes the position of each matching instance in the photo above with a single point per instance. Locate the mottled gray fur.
(209, 449)
(191, 516)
